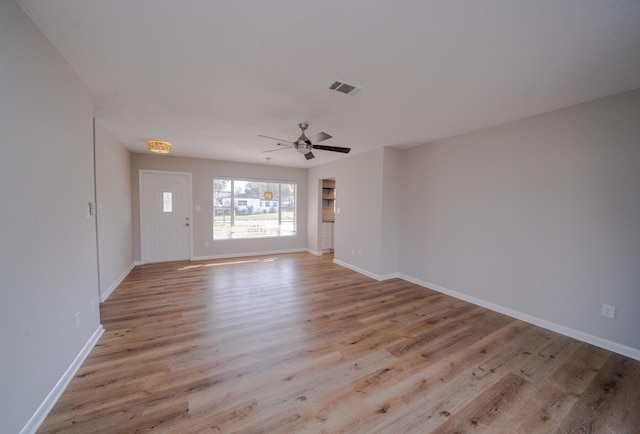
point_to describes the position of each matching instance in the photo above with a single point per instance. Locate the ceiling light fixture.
(158, 147)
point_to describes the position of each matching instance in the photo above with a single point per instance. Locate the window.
(241, 209)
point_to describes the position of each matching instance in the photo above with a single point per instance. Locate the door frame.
(141, 173)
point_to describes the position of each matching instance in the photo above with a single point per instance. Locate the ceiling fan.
(304, 145)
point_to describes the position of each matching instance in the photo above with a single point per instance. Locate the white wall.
(392, 210)
(203, 172)
(48, 265)
(114, 217)
(314, 215)
(358, 226)
(541, 216)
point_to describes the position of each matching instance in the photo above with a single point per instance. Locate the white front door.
(165, 216)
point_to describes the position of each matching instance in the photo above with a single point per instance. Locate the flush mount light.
(158, 147)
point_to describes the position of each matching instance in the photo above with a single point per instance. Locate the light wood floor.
(294, 343)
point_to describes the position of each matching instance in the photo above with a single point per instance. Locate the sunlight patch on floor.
(218, 264)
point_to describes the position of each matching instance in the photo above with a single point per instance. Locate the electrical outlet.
(353, 252)
(77, 320)
(206, 244)
(359, 253)
(608, 311)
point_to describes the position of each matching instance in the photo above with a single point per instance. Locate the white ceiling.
(210, 76)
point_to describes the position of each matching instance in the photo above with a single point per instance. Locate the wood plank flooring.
(295, 343)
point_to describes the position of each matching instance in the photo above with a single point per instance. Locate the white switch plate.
(608, 311)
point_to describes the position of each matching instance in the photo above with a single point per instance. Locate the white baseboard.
(53, 396)
(563, 330)
(377, 277)
(356, 269)
(315, 252)
(389, 276)
(239, 255)
(107, 293)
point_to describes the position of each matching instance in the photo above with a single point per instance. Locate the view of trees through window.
(253, 209)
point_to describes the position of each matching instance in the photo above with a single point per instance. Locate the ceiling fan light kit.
(304, 145)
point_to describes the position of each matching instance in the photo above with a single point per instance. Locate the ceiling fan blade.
(278, 149)
(309, 155)
(274, 138)
(320, 137)
(332, 148)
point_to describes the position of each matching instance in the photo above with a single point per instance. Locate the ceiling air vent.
(346, 88)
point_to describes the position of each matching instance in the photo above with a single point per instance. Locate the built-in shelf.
(328, 200)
